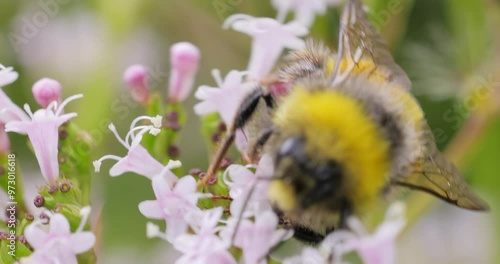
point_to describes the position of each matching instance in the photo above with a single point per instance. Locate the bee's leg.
(345, 212)
(244, 113)
(261, 141)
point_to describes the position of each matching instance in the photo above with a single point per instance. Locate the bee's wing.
(434, 174)
(358, 40)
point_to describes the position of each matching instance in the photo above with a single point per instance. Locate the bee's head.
(326, 150)
(312, 181)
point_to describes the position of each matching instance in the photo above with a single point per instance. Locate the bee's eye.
(294, 148)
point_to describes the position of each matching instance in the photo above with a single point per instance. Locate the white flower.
(225, 98)
(7, 75)
(377, 248)
(58, 245)
(173, 203)
(204, 246)
(305, 10)
(249, 190)
(257, 239)
(138, 159)
(269, 38)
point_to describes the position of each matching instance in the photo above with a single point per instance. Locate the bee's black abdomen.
(308, 236)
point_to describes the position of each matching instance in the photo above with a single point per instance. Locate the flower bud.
(135, 77)
(47, 91)
(184, 60)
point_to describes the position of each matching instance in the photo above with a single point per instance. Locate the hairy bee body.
(360, 134)
(347, 132)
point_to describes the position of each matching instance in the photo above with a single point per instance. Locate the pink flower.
(249, 190)
(309, 256)
(174, 204)
(270, 37)
(184, 61)
(4, 140)
(204, 246)
(224, 99)
(378, 248)
(42, 128)
(257, 239)
(8, 76)
(305, 10)
(58, 245)
(135, 77)
(138, 159)
(47, 91)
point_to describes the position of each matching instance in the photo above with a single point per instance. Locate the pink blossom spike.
(184, 60)
(4, 140)
(47, 91)
(58, 245)
(269, 38)
(43, 131)
(135, 77)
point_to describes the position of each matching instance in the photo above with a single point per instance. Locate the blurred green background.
(450, 49)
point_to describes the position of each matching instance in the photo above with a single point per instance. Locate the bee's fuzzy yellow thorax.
(337, 127)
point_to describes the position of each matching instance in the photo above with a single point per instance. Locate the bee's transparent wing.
(434, 174)
(358, 40)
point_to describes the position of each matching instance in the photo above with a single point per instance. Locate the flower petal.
(151, 209)
(138, 160)
(82, 241)
(59, 225)
(35, 236)
(186, 185)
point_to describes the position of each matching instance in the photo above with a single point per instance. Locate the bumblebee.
(347, 132)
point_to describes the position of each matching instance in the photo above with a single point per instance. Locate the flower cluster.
(54, 141)
(228, 219)
(231, 213)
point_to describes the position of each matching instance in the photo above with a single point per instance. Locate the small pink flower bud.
(184, 60)
(136, 77)
(47, 91)
(4, 140)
